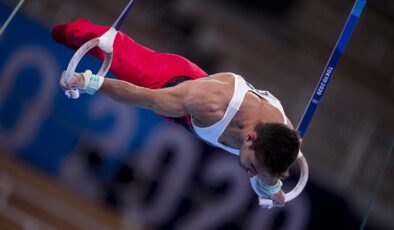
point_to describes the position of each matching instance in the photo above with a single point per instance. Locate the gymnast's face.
(247, 156)
(248, 161)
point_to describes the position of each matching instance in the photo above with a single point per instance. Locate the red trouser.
(132, 62)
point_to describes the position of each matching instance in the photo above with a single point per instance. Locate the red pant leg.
(132, 62)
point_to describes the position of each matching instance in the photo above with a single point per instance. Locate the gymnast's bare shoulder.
(216, 87)
(223, 77)
(207, 98)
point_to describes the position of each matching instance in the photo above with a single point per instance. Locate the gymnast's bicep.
(172, 101)
(197, 97)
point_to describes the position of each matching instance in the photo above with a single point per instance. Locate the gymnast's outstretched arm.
(167, 101)
(189, 97)
(170, 102)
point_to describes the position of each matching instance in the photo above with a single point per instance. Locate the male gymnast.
(221, 109)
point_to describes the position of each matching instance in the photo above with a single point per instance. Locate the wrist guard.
(92, 82)
(263, 190)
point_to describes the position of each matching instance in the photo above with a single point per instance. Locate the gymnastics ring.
(297, 190)
(104, 42)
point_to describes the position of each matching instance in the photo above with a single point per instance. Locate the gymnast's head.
(269, 150)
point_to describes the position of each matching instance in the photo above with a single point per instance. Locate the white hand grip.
(72, 65)
(304, 173)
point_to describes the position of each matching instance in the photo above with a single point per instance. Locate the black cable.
(378, 183)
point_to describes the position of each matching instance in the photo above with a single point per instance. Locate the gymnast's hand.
(76, 82)
(278, 199)
(268, 188)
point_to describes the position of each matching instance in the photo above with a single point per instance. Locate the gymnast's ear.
(251, 137)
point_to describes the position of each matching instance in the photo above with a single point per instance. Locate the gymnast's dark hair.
(276, 147)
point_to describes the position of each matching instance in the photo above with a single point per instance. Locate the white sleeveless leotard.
(212, 133)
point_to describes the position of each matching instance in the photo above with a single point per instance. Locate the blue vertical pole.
(331, 64)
